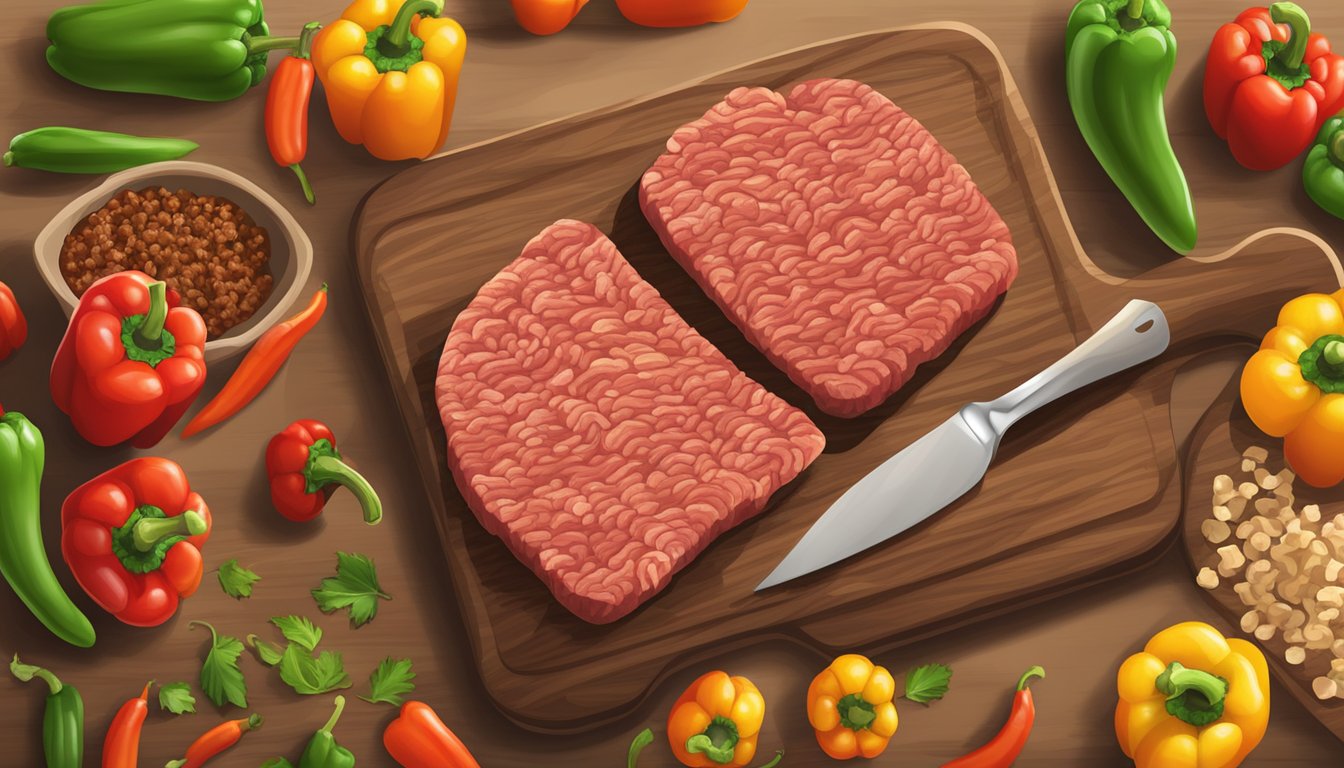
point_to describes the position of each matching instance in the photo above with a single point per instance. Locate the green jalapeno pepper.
(322, 750)
(76, 150)
(1323, 173)
(63, 721)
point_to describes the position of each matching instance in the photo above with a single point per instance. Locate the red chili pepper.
(287, 107)
(13, 326)
(418, 738)
(131, 361)
(1004, 748)
(216, 740)
(1269, 87)
(121, 747)
(132, 538)
(304, 467)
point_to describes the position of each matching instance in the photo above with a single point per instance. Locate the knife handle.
(1138, 333)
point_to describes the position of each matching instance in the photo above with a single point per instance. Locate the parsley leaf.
(299, 630)
(928, 682)
(177, 698)
(307, 674)
(390, 681)
(355, 586)
(236, 581)
(268, 652)
(221, 679)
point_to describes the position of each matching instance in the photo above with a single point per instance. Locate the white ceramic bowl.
(291, 252)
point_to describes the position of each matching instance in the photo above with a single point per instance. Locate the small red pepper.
(287, 107)
(131, 362)
(1004, 748)
(304, 468)
(1270, 84)
(132, 538)
(121, 746)
(418, 738)
(216, 740)
(13, 326)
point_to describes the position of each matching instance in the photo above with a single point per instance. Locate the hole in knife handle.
(1147, 326)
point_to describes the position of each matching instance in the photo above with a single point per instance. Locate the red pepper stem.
(329, 470)
(150, 333)
(303, 182)
(397, 42)
(149, 531)
(336, 715)
(1036, 671)
(252, 723)
(1294, 52)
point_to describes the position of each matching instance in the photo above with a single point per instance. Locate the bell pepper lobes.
(131, 361)
(207, 50)
(1293, 386)
(418, 738)
(1323, 173)
(1192, 698)
(391, 76)
(132, 537)
(322, 750)
(13, 325)
(717, 722)
(304, 466)
(1270, 84)
(1119, 55)
(850, 705)
(680, 13)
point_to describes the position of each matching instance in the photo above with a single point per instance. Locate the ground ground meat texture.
(843, 240)
(599, 435)
(206, 248)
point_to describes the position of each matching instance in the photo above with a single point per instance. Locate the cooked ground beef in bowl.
(205, 247)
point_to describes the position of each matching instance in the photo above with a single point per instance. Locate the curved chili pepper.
(216, 740)
(121, 748)
(287, 108)
(303, 466)
(1004, 748)
(259, 366)
(418, 738)
(13, 326)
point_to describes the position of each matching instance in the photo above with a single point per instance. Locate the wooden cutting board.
(1086, 489)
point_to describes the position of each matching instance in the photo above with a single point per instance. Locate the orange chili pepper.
(546, 17)
(260, 365)
(216, 740)
(418, 738)
(679, 13)
(121, 748)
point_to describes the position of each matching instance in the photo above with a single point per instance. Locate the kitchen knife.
(944, 464)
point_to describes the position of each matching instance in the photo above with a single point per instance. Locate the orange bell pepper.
(546, 17)
(1293, 387)
(851, 706)
(716, 722)
(391, 76)
(679, 13)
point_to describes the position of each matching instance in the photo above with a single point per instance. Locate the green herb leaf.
(309, 675)
(221, 679)
(269, 653)
(237, 581)
(177, 698)
(927, 683)
(299, 630)
(277, 762)
(390, 682)
(355, 586)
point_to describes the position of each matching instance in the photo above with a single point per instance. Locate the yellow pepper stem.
(855, 713)
(1193, 696)
(1333, 353)
(397, 41)
(717, 742)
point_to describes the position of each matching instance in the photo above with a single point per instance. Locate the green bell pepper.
(63, 720)
(323, 751)
(1119, 55)
(208, 50)
(1323, 173)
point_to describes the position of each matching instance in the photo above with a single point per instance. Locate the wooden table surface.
(512, 81)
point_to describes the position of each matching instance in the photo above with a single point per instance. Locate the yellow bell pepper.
(1192, 699)
(716, 722)
(391, 76)
(851, 707)
(1293, 387)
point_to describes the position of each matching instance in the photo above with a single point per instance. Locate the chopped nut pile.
(1285, 563)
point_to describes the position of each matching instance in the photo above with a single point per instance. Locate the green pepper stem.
(1036, 671)
(397, 41)
(252, 723)
(1294, 52)
(642, 739)
(149, 531)
(149, 335)
(257, 45)
(305, 47)
(331, 722)
(303, 181)
(1176, 680)
(779, 755)
(323, 470)
(9, 159)
(1135, 9)
(1337, 147)
(26, 672)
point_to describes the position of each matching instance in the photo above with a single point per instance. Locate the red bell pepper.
(13, 326)
(132, 538)
(131, 361)
(305, 468)
(1270, 84)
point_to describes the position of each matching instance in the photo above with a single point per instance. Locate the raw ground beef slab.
(599, 435)
(835, 231)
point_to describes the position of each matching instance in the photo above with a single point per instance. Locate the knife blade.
(943, 465)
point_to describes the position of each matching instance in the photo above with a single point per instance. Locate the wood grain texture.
(428, 238)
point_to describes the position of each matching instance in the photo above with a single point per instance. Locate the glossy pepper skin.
(716, 722)
(121, 746)
(850, 705)
(1270, 84)
(546, 17)
(207, 50)
(304, 466)
(1293, 386)
(322, 750)
(419, 738)
(286, 115)
(62, 720)
(132, 536)
(1003, 750)
(680, 13)
(1119, 56)
(1323, 173)
(13, 325)
(1192, 698)
(131, 361)
(391, 76)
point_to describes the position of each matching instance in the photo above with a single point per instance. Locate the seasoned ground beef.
(206, 248)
